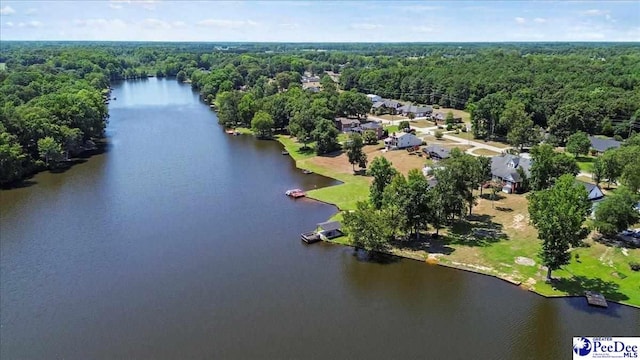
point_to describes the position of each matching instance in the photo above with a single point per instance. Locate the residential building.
(505, 167)
(601, 145)
(401, 140)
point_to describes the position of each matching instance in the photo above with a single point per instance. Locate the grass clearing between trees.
(490, 242)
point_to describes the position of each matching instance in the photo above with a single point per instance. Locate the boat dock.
(596, 299)
(324, 231)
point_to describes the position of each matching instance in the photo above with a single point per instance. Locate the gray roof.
(416, 109)
(330, 225)
(371, 126)
(441, 152)
(347, 121)
(506, 167)
(603, 145)
(386, 103)
(588, 186)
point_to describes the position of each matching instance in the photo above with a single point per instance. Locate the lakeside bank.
(570, 281)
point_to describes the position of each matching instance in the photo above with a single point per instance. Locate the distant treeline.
(52, 92)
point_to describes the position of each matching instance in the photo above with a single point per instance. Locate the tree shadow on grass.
(427, 243)
(489, 196)
(333, 154)
(577, 285)
(476, 230)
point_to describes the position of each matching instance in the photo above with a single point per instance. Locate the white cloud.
(540, 20)
(595, 12)
(31, 11)
(228, 24)
(179, 24)
(520, 20)
(146, 4)
(7, 10)
(100, 23)
(115, 6)
(364, 26)
(424, 29)
(155, 24)
(9, 24)
(30, 24)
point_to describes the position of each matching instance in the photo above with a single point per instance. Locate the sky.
(321, 21)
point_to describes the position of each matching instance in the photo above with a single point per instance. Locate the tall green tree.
(50, 150)
(611, 168)
(354, 147)
(559, 213)
(262, 124)
(326, 137)
(548, 165)
(367, 227)
(616, 212)
(382, 172)
(578, 143)
(631, 176)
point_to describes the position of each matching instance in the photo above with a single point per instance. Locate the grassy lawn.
(421, 123)
(585, 163)
(493, 241)
(391, 128)
(469, 136)
(485, 152)
(392, 117)
(296, 149)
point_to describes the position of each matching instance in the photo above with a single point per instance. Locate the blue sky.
(320, 21)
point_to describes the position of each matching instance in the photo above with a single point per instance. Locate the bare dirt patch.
(401, 160)
(521, 260)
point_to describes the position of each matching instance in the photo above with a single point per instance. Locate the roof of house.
(330, 225)
(347, 121)
(588, 186)
(386, 103)
(371, 125)
(506, 167)
(416, 109)
(602, 145)
(442, 152)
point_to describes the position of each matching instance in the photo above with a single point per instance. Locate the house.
(437, 152)
(374, 126)
(594, 191)
(401, 140)
(348, 125)
(386, 104)
(595, 195)
(505, 167)
(374, 98)
(418, 111)
(601, 145)
(441, 117)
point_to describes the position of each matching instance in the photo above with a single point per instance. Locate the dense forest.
(54, 93)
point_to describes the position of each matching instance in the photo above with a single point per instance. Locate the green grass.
(585, 163)
(295, 149)
(601, 268)
(392, 128)
(244, 131)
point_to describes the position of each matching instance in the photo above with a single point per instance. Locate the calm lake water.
(178, 243)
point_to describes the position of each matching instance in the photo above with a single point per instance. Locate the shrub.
(438, 134)
(635, 266)
(449, 127)
(464, 129)
(436, 106)
(457, 131)
(594, 152)
(618, 138)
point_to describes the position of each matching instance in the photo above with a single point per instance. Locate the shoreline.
(428, 260)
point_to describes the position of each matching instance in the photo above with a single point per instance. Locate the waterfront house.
(401, 140)
(601, 145)
(504, 168)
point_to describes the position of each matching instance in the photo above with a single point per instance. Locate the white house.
(402, 140)
(374, 98)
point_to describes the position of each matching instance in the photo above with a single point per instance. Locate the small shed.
(330, 229)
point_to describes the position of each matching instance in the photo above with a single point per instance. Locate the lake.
(178, 242)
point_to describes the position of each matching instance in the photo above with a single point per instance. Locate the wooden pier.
(310, 237)
(324, 231)
(596, 299)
